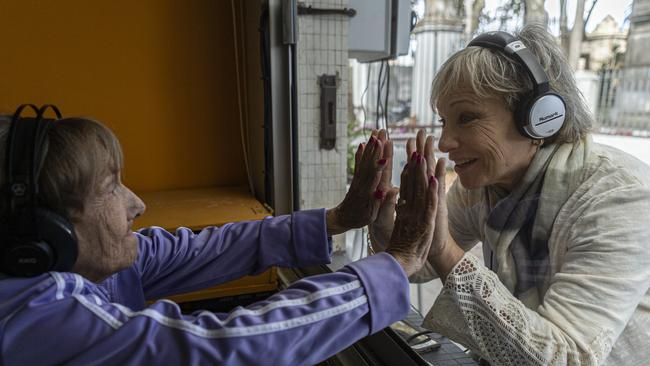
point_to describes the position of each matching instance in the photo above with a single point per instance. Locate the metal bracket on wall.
(328, 85)
(310, 10)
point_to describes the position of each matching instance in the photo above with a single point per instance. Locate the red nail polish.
(414, 156)
(379, 194)
(406, 165)
(361, 146)
(371, 141)
(381, 161)
(431, 179)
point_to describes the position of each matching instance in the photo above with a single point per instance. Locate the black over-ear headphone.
(34, 239)
(540, 115)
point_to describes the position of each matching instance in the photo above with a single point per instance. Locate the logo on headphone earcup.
(51, 247)
(542, 116)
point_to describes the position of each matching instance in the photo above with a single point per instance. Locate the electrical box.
(380, 29)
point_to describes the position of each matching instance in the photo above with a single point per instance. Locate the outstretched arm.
(304, 324)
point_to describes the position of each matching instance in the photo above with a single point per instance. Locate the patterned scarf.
(520, 222)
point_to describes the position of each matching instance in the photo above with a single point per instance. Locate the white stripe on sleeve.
(228, 332)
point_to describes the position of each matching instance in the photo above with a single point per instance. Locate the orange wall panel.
(160, 73)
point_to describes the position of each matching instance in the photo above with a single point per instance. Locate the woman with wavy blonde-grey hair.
(562, 220)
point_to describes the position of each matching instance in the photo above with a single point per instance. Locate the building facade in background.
(624, 93)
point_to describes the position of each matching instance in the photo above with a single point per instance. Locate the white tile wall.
(322, 49)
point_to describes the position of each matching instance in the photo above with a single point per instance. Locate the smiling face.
(481, 137)
(106, 241)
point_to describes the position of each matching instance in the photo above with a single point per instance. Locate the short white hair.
(489, 73)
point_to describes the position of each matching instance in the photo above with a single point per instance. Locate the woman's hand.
(439, 169)
(367, 192)
(412, 235)
(444, 252)
(381, 228)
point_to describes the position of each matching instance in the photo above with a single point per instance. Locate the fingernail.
(414, 156)
(379, 194)
(361, 146)
(431, 179)
(406, 165)
(371, 141)
(381, 161)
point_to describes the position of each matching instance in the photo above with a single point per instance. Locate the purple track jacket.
(63, 318)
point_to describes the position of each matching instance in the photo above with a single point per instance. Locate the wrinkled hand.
(438, 168)
(363, 199)
(412, 234)
(441, 234)
(381, 229)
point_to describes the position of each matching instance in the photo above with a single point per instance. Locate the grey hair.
(80, 153)
(489, 73)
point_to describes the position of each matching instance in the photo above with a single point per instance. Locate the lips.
(462, 164)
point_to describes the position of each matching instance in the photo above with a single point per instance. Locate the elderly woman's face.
(106, 241)
(481, 137)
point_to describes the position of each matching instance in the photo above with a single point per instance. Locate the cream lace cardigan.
(596, 305)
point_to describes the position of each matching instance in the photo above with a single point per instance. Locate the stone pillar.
(631, 110)
(438, 35)
(638, 41)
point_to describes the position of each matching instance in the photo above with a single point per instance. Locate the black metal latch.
(328, 85)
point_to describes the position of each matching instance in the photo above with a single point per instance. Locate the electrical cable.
(363, 108)
(386, 98)
(265, 71)
(380, 87)
(242, 32)
(239, 100)
(378, 105)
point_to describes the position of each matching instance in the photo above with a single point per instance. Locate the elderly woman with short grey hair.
(562, 220)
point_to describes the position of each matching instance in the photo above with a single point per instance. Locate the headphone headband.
(509, 45)
(540, 115)
(34, 239)
(26, 145)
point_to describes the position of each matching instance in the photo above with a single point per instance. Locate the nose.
(448, 140)
(137, 205)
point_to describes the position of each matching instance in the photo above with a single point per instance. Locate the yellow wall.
(160, 73)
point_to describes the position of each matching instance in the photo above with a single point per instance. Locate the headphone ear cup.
(540, 117)
(522, 115)
(26, 258)
(545, 116)
(60, 236)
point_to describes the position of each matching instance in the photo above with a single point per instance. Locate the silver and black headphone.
(34, 239)
(540, 115)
